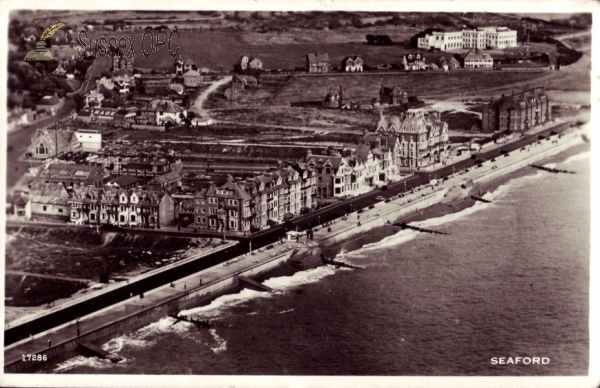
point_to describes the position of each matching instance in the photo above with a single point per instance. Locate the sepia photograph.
(322, 195)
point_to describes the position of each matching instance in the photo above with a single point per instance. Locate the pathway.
(204, 95)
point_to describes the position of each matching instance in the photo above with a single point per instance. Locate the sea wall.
(384, 217)
(138, 315)
(534, 157)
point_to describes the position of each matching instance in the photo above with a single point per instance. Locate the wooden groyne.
(404, 225)
(553, 170)
(480, 199)
(341, 264)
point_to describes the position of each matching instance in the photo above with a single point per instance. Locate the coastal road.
(258, 240)
(420, 178)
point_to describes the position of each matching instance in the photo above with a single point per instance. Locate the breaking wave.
(313, 275)
(221, 343)
(283, 283)
(81, 361)
(215, 308)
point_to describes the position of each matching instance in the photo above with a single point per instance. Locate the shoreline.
(374, 228)
(441, 209)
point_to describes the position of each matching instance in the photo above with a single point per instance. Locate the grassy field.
(302, 117)
(221, 50)
(365, 88)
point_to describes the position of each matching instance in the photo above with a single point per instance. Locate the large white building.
(482, 37)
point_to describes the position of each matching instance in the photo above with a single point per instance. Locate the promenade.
(142, 306)
(457, 186)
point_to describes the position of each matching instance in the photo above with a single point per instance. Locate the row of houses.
(94, 205)
(393, 95)
(473, 58)
(402, 143)
(238, 206)
(156, 111)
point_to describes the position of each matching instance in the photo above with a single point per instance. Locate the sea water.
(510, 280)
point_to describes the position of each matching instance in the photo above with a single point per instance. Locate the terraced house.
(357, 172)
(113, 206)
(517, 112)
(255, 203)
(423, 138)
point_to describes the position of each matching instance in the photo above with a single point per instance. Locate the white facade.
(483, 37)
(442, 40)
(90, 140)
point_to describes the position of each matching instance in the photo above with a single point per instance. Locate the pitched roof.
(191, 73)
(413, 57)
(320, 160)
(71, 172)
(53, 139)
(318, 57)
(168, 177)
(352, 57)
(476, 53)
(126, 180)
(51, 193)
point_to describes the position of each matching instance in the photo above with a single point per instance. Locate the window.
(213, 201)
(233, 213)
(203, 211)
(60, 210)
(133, 218)
(92, 217)
(122, 218)
(212, 211)
(233, 202)
(327, 171)
(212, 222)
(44, 208)
(202, 220)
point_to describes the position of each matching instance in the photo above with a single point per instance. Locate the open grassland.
(365, 88)
(221, 50)
(301, 117)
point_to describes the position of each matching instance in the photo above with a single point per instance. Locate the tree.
(79, 101)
